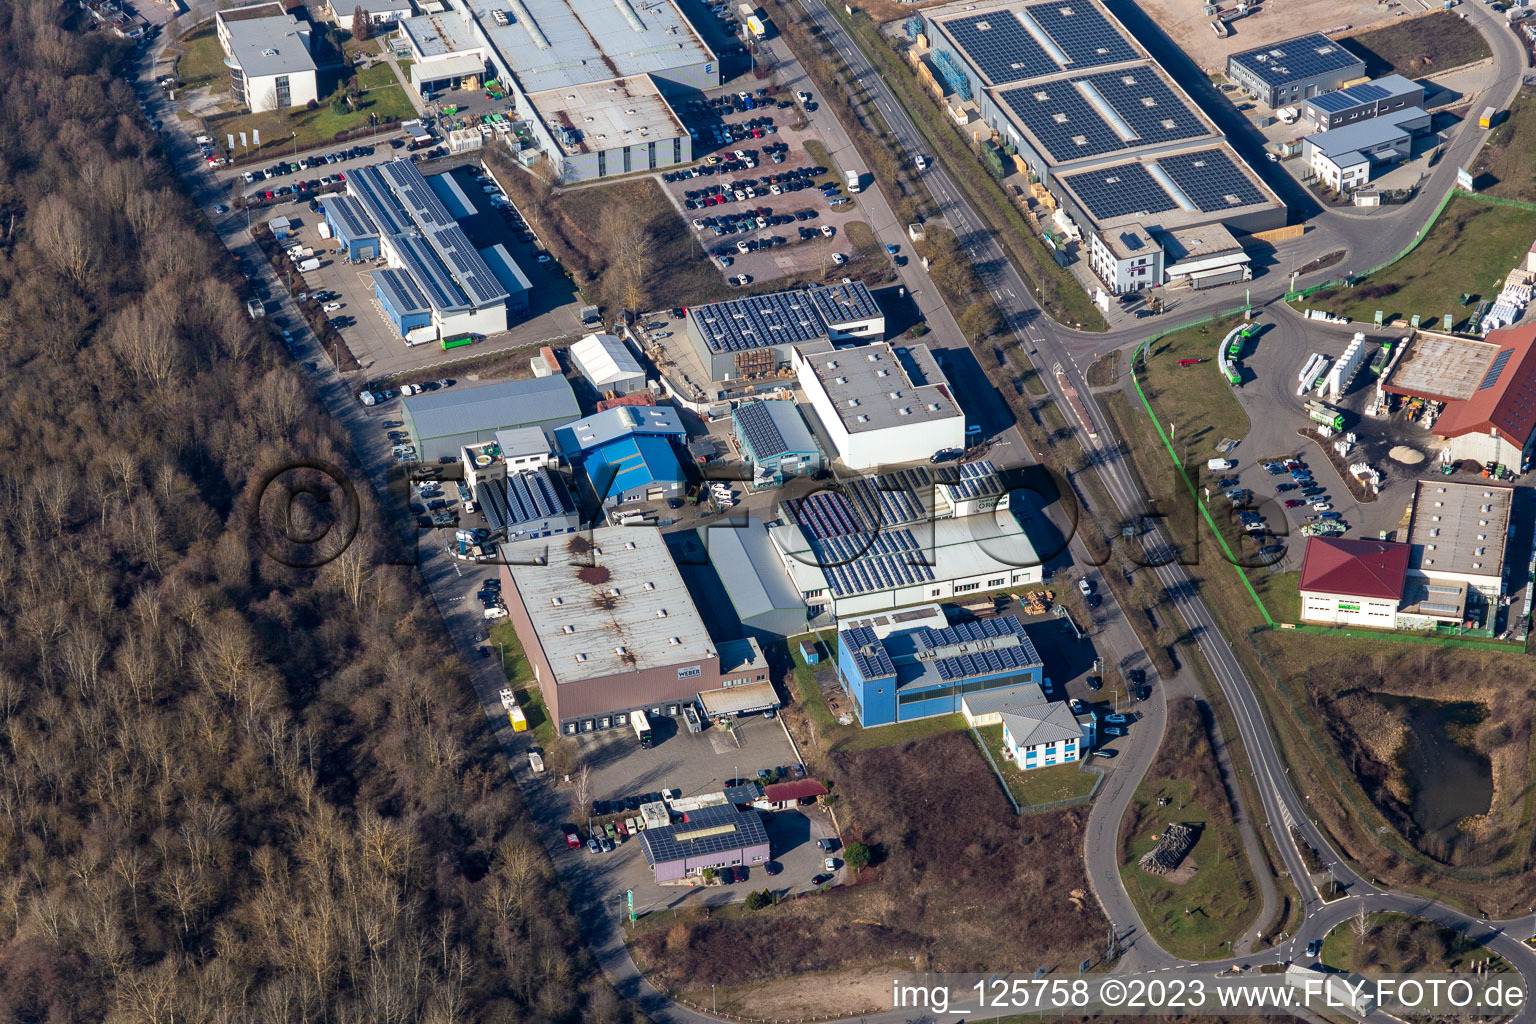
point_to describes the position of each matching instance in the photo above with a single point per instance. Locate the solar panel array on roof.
(535, 495)
(702, 834)
(422, 203)
(1210, 180)
(870, 658)
(1000, 46)
(1082, 33)
(863, 564)
(1495, 369)
(825, 514)
(350, 214)
(1355, 95)
(469, 266)
(1111, 192)
(976, 479)
(890, 499)
(401, 291)
(780, 318)
(761, 433)
(432, 276)
(982, 647)
(1088, 115)
(1302, 57)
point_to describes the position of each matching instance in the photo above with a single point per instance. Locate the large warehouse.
(874, 545)
(1458, 532)
(1092, 116)
(437, 284)
(753, 337)
(608, 626)
(589, 76)
(1488, 387)
(444, 422)
(750, 569)
(1294, 70)
(915, 664)
(878, 407)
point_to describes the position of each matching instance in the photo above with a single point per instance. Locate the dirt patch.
(1182, 21)
(806, 996)
(990, 894)
(1427, 44)
(1183, 874)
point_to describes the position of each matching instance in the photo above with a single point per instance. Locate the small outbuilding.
(607, 365)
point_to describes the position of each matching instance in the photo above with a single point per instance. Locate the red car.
(1294, 502)
(573, 840)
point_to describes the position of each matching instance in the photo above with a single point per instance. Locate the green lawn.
(380, 76)
(1196, 401)
(1419, 46)
(1469, 250)
(1038, 785)
(1197, 919)
(319, 126)
(819, 157)
(1399, 944)
(503, 639)
(202, 59)
(1507, 164)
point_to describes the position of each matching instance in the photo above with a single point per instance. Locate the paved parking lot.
(782, 243)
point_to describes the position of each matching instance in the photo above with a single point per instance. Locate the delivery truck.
(1219, 465)
(853, 181)
(305, 266)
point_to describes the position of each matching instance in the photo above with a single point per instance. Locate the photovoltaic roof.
(1207, 180)
(975, 480)
(1298, 58)
(1092, 114)
(401, 291)
(714, 829)
(534, 495)
(350, 215)
(780, 318)
(1081, 33)
(869, 655)
(1000, 46)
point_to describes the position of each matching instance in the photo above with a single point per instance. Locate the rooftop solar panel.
(1111, 192)
(1082, 33)
(1303, 57)
(1495, 369)
(1088, 115)
(1000, 47)
(761, 433)
(1210, 180)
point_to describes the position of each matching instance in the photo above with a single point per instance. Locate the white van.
(1219, 465)
(626, 518)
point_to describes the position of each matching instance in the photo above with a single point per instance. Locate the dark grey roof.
(869, 655)
(961, 651)
(400, 290)
(670, 842)
(1203, 179)
(512, 403)
(1294, 59)
(1072, 116)
(975, 480)
(769, 429)
(743, 794)
(780, 318)
(531, 496)
(349, 213)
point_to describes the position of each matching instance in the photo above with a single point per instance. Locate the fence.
(1071, 801)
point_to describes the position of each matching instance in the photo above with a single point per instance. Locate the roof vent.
(676, 641)
(567, 629)
(661, 613)
(557, 600)
(621, 650)
(629, 545)
(581, 657)
(613, 591)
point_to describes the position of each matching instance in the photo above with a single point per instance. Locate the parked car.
(1075, 705)
(1106, 752)
(1294, 503)
(572, 840)
(1113, 730)
(1085, 586)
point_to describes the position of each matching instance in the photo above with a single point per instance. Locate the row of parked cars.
(307, 163)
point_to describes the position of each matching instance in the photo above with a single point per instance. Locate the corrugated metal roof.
(1043, 723)
(750, 570)
(513, 403)
(630, 464)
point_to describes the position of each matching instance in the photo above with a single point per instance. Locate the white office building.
(267, 51)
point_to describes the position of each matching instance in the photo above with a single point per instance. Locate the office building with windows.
(267, 51)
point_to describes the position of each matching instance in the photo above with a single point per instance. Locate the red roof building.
(1505, 399)
(1353, 582)
(793, 792)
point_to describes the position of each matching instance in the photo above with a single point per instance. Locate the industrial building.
(444, 422)
(1488, 388)
(589, 77)
(875, 545)
(715, 837)
(608, 627)
(754, 337)
(577, 438)
(878, 408)
(1294, 70)
(775, 442)
(1346, 158)
(529, 504)
(608, 365)
(1203, 257)
(509, 451)
(750, 570)
(437, 284)
(1126, 259)
(267, 51)
(1352, 582)
(987, 706)
(632, 469)
(1458, 532)
(378, 12)
(1381, 96)
(914, 664)
(1080, 105)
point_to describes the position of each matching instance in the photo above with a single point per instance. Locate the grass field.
(1399, 944)
(1507, 164)
(202, 59)
(319, 126)
(1038, 785)
(1469, 250)
(1199, 917)
(1419, 46)
(380, 76)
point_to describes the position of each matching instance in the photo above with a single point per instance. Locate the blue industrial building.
(351, 227)
(401, 300)
(895, 672)
(775, 439)
(633, 469)
(578, 437)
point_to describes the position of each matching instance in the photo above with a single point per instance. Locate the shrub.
(856, 855)
(759, 900)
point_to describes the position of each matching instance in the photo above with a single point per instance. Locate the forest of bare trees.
(229, 790)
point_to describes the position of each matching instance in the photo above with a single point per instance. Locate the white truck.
(508, 698)
(367, 397)
(1219, 465)
(536, 762)
(853, 181)
(305, 266)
